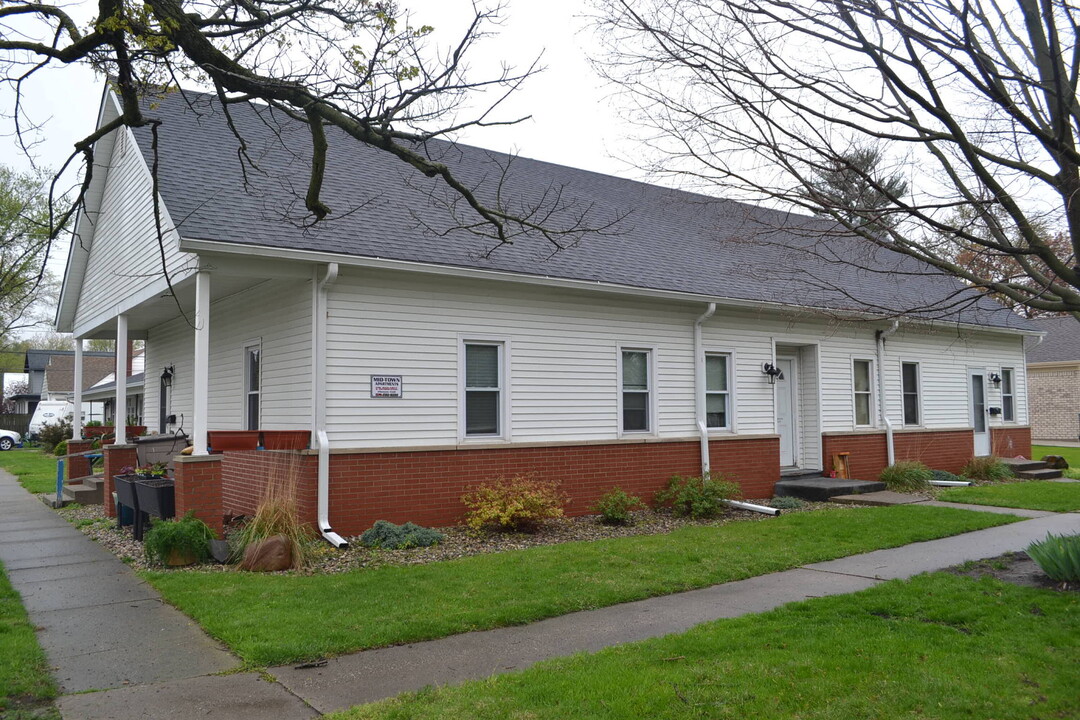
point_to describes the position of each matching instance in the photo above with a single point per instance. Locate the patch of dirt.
(1016, 568)
(458, 543)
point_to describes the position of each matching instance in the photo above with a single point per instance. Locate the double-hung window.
(909, 382)
(636, 390)
(252, 379)
(483, 389)
(862, 372)
(1008, 395)
(717, 391)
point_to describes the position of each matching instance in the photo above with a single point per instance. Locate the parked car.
(10, 439)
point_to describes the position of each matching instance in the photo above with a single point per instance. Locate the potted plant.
(155, 492)
(133, 429)
(286, 439)
(95, 428)
(222, 440)
(179, 542)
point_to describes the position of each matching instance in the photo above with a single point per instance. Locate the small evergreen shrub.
(186, 536)
(1071, 473)
(906, 476)
(61, 448)
(387, 535)
(520, 504)
(1058, 556)
(946, 476)
(787, 503)
(698, 497)
(52, 434)
(616, 505)
(987, 469)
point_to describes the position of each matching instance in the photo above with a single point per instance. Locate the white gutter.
(318, 398)
(883, 409)
(699, 388)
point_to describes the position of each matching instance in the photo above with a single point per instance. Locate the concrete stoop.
(1031, 469)
(821, 489)
(85, 491)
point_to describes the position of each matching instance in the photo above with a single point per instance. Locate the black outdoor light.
(772, 372)
(166, 376)
(995, 378)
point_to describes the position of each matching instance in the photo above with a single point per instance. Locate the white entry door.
(979, 412)
(786, 404)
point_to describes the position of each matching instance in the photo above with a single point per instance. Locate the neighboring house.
(1054, 379)
(423, 363)
(104, 392)
(50, 375)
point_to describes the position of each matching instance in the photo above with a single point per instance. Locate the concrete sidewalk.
(103, 628)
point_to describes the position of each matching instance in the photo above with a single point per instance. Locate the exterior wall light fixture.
(772, 372)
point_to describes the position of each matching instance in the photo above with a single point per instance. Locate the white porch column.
(120, 406)
(202, 361)
(76, 415)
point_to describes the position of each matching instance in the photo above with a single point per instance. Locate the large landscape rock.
(269, 555)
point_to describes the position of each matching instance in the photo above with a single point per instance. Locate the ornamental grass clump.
(698, 497)
(1058, 556)
(987, 469)
(388, 536)
(278, 515)
(518, 504)
(615, 507)
(906, 476)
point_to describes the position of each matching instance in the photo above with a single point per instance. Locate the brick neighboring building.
(1054, 380)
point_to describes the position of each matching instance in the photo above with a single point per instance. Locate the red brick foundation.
(198, 489)
(948, 450)
(116, 457)
(78, 467)
(1010, 442)
(425, 487)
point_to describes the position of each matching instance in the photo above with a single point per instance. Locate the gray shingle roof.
(664, 239)
(1062, 341)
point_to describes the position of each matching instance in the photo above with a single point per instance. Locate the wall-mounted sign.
(385, 386)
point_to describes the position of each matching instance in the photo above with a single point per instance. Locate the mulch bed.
(459, 541)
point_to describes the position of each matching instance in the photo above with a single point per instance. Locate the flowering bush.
(521, 503)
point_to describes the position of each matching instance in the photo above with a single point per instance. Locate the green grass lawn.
(278, 619)
(937, 646)
(1071, 454)
(36, 470)
(1033, 495)
(24, 673)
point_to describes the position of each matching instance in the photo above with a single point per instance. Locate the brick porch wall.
(78, 467)
(425, 487)
(198, 489)
(948, 450)
(116, 457)
(1010, 442)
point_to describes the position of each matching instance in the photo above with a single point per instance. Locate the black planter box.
(127, 495)
(157, 497)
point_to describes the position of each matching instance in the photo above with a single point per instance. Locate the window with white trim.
(252, 380)
(636, 390)
(909, 382)
(483, 389)
(862, 372)
(717, 391)
(1008, 395)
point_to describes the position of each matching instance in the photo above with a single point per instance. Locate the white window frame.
(872, 393)
(504, 412)
(246, 391)
(1004, 416)
(730, 427)
(652, 413)
(918, 393)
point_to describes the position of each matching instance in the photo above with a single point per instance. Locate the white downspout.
(881, 335)
(699, 388)
(318, 398)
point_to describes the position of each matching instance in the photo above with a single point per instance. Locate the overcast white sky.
(573, 120)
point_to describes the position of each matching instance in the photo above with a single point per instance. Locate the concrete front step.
(823, 488)
(883, 498)
(1044, 474)
(88, 492)
(1019, 465)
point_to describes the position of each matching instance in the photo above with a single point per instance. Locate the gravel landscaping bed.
(459, 542)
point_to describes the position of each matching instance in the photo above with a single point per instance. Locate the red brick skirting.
(78, 467)
(947, 450)
(425, 487)
(198, 489)
(1010, 442)
(116, 457)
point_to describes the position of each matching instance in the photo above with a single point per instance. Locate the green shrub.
(946, 476)
(50, 435)
(521, 503)
(387, 535)
(906, 476)
(616, 505)
(187, 536)
(787, 503)
(1058, 556)
(698, 497)
(1071, 473)
(987, 469)
(61, 448)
